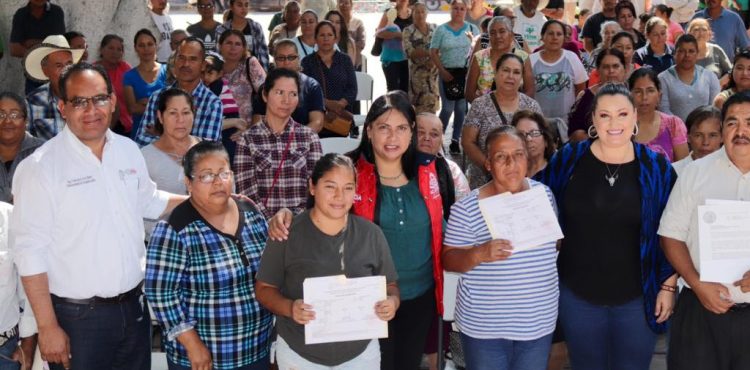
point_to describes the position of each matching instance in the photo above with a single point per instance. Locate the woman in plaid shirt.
(200, 272)
(275, 157)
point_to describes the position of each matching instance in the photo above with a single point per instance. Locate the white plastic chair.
(365, 84)
(339, 145)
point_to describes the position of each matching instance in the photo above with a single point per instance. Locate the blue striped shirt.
(514, 299)
(206, 124)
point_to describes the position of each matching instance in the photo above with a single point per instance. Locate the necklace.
(391, 177)
(612, 177)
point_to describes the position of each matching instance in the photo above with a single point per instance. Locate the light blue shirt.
(728, 29)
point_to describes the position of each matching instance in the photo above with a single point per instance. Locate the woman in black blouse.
(333, 70)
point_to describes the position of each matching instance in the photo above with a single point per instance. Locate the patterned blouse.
(260, 151)
(200, 278)
(484, 117)
(243, 89)
(487, 70)
(423, 82)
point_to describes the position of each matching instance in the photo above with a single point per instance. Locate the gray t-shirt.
(310, 253)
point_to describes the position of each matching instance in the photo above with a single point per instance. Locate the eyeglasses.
(531, 134)
(209, 178)
(13, 116)
(286, 58)
(81, 103)
(205, 6)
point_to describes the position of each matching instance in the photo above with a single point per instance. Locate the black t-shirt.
(593, 27)
(600, 254)
(26, 27)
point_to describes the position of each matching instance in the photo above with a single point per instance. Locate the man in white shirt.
(711, 320)
(17, 325)
(529, 23)
(77, 233)
(164, 23)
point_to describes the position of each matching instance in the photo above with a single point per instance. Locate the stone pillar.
(93, 18)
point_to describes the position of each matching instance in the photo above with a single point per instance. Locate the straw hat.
(33, 60)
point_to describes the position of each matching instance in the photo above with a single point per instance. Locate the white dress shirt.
(12, 296)
(79, 219)
(680, 165)
(711, 177)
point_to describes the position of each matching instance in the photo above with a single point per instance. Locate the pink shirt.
(674, 29)
(116, 76)
(672, 132)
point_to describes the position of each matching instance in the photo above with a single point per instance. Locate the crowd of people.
(193, 186)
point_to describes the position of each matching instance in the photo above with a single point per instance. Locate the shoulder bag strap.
(497, 108)
(281, 164)
(322, 76)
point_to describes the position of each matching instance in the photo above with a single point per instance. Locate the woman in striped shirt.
(507, 301)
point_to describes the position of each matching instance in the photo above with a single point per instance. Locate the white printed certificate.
(526, 219)
(344, 308)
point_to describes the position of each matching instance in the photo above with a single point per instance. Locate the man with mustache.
(188, 67)
(709, 326)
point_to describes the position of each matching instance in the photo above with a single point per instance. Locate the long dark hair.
(398, 101)
(343, 31)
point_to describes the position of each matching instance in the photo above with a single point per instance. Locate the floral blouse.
(242, 89)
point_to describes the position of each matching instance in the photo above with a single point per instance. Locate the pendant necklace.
(612, 177)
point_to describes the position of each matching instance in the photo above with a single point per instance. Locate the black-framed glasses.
(209, 178)
(286, 58)
(81, 103)
(205, 6)
(531, 134)
(12, 115)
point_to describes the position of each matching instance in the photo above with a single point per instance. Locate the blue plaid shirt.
(200, 278)
(45, 120)
(208, 115)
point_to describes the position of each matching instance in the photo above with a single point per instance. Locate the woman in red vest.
(402, 197)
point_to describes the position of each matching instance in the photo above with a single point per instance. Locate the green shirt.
(406, 226)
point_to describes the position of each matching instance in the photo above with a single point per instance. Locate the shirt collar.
(268, 130)
(197, 91)
(76, 144)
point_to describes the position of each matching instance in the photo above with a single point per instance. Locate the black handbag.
(454, 89)
(377, 47)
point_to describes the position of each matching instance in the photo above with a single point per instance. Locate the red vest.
(367, 196)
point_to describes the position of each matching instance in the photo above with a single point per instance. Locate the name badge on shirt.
(80, 181)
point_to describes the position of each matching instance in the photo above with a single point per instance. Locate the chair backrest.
(338, 144)
(364, 86)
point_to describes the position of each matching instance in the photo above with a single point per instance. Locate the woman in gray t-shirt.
(325, 240)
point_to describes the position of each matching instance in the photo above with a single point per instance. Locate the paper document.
(344, 308)
(526, 218)
(724, 240)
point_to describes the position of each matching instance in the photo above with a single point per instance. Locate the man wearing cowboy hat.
(32, 23)
(45, 63)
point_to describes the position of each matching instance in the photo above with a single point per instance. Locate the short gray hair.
(502, 20)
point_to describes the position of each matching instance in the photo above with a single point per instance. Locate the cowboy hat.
(33, 60)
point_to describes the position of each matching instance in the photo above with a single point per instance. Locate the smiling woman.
(616, 285)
